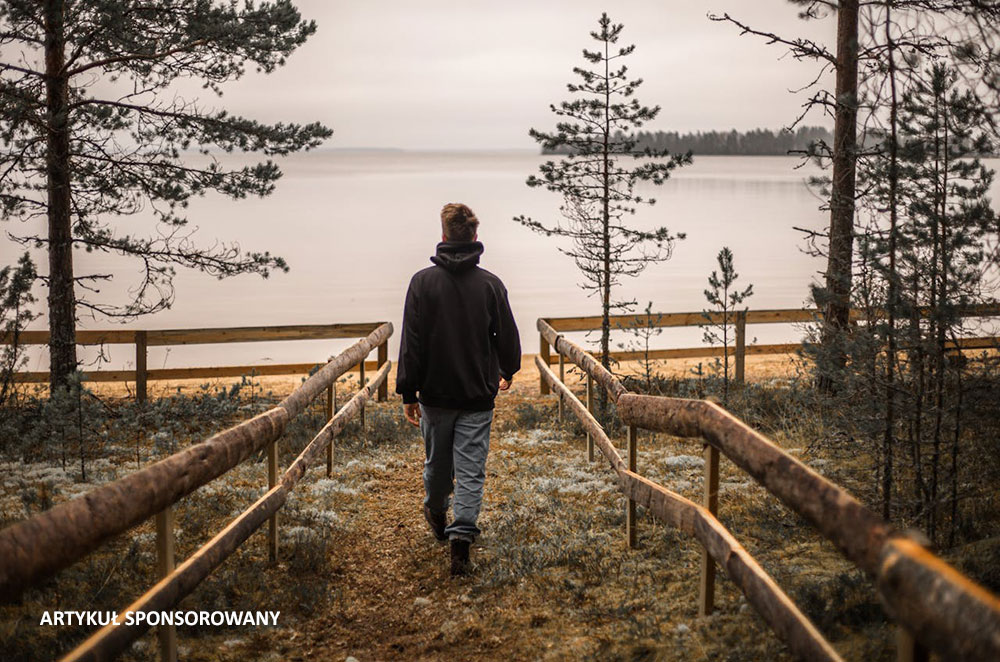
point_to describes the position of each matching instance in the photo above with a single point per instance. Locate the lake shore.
(758, 369)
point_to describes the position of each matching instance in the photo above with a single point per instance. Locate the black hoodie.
(459, 335)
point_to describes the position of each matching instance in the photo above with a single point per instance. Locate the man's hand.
(412, 413)
(504, 384)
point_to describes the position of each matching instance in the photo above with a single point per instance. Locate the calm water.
(354, 226)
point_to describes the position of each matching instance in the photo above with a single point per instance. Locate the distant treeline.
(756, 142)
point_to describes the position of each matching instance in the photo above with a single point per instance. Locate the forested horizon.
(755, 142)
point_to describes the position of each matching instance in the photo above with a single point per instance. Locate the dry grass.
(360, 574)
(554, 579)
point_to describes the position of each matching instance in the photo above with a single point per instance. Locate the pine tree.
(724, 297)
(961, 31)
(15, 315)
(80, 159)
(598, 176)
(645, 328)
(833, 297)
(923, 259)
(943, 130)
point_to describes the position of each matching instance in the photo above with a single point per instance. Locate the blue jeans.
(456, 443)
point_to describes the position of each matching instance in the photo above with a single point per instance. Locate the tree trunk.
(930, 507)
(940, 313)
(916, 349)
(888, 439)
(954, 458)
(606, 220)
(725, 346)
(62, 300)
(838, 273)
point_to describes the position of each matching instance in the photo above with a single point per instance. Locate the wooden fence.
(935, 606)
(144, 339)
(740, 319)
(37, 548)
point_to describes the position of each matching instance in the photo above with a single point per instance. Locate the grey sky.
(452, 75)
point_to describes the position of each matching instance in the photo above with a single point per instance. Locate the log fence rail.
(739, 320)
(35, 549)
(143, 339)
(936, 607)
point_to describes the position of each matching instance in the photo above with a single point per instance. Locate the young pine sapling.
(724, 297)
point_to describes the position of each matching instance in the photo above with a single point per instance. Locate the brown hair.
(458, 223)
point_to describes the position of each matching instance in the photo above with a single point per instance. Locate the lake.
(354, 226)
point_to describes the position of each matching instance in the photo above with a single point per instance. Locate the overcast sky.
(478, 74)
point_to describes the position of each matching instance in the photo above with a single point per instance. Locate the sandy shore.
(758, 368)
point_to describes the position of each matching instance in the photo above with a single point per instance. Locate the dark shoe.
(437, 522)
(459, 557)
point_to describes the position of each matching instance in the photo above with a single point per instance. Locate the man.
(459, 346)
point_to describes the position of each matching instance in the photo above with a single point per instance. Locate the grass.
(360, 575)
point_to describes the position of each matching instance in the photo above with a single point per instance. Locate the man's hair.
(458, 223)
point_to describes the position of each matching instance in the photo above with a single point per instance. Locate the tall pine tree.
(924, 259)
(598, 176)
(81, 158)
(944, 127)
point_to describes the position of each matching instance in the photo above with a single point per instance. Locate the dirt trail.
(385, 571)
(553, 581)
(392, 597)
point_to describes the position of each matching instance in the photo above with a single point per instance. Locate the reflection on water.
(354, 226)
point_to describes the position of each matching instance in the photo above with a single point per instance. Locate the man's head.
(458, 223)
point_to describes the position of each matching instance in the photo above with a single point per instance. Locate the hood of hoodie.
(458, 256)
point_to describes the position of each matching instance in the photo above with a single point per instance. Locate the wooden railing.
(37, 548)
(934, 605)
(739, 320)
(143, 339)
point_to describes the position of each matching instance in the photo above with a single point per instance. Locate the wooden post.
(706, 597)
(329, 415)
(140, 367)
(543, 351)
(633, 433)
(741, 345)
(272, 480)
(907, 647)
(562, 380)
(167, 634)
(383, 356)
(590, 408)
(362, 381)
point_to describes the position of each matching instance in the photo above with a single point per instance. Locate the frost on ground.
(564, 472)
(326, 487)
(358, 573)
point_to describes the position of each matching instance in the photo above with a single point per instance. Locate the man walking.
(458, 347)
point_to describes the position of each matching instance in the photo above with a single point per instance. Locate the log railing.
(673, 509)
(932, 602)
(142, 340)
(37, 548)
(739, 320)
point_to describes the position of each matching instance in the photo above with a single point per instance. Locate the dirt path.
(387, 570)
(553, 578)
(393, 599)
